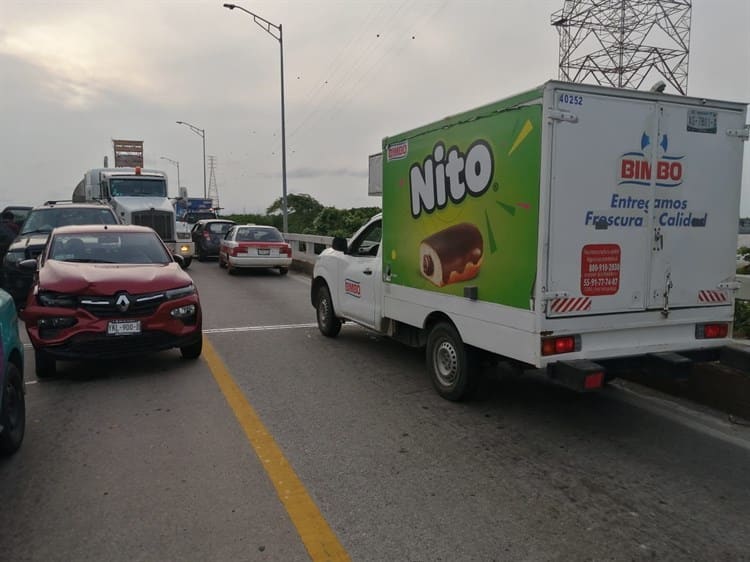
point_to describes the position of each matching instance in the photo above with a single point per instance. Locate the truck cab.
(351, 273)
(138, 196)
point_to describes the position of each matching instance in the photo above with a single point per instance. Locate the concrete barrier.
(744, 291)
(305, 250)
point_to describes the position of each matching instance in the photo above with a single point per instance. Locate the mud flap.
(670, 364)
(580, 375)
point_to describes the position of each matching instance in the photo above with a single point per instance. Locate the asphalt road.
(145, 459)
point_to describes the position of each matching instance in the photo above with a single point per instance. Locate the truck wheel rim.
(446, 364)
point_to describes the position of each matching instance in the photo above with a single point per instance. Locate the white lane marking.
(31, 382)
(258, 328)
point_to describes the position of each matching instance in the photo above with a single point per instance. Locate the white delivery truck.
(138, 196)
(571, 228)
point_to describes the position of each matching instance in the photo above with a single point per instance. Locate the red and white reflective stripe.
(571, 305)
(712, 296)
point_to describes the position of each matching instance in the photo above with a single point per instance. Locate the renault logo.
(122, 303)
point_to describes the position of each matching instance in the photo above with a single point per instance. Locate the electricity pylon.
(623, 43)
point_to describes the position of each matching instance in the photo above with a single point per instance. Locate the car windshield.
(44, 220)
(251, 234)
(195, 217)
(109, 247)
(219, 227)
(138, 187)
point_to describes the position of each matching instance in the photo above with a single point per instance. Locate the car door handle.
(367, 271)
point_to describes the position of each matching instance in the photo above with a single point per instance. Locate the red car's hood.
(106, 279)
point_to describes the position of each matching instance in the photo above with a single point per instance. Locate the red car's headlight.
(181, 292)
(60, 300)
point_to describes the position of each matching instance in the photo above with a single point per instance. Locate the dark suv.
(34, 234)
(208, 234)
(20, 212)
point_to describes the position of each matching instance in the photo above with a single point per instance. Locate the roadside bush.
(741, 319)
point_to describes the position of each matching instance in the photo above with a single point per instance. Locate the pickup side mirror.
(28, 265)
(339, 244)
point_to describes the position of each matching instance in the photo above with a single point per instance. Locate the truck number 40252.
(571, 99)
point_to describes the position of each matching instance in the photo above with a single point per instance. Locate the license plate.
(264, 251)
(124, 328)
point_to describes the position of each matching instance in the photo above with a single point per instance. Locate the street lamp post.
(201, 133)
(176, 163)
(269, 28)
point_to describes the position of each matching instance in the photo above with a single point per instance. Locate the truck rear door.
(599, 222)
(696, 201)
(643, 204)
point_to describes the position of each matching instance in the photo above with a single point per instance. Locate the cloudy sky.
(75, 74)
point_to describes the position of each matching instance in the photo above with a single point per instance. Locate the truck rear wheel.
(328, 324)
(452, 364)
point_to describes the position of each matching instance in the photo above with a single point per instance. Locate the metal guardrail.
(307, 247)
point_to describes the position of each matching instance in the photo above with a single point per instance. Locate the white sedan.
(251, 245)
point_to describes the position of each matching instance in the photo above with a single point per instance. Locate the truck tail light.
(561, 344)
(711, 331)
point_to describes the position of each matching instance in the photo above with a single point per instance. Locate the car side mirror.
(339, 244)
(179, 259)
(28, 265)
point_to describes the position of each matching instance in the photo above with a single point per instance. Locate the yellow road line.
(319, 539)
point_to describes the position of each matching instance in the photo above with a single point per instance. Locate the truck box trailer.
(569, 228)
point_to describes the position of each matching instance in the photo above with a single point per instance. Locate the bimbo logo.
(450, 175)
(636, 168)
(352, 288)
(398, 151)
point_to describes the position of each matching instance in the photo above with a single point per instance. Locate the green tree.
(341, 222)
(301, 212)
(251, 219)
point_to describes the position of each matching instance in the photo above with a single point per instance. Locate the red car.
(109, 291)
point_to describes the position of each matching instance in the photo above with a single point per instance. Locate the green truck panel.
(461, 203)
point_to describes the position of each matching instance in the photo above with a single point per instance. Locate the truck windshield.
(138, 187)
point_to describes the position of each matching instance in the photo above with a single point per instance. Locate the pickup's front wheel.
(452, 365)
(328, 324)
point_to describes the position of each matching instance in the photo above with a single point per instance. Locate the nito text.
(450, 175)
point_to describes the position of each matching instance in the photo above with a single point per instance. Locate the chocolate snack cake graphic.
(451, 255)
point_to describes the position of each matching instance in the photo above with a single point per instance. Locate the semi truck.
(573, 230)
(138, 196)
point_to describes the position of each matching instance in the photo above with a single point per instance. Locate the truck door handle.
(367, 271)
